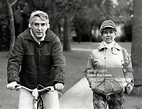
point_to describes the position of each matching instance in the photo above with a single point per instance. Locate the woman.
(109, 71)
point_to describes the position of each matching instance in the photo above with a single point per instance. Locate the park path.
(77, 97)
(81, 49)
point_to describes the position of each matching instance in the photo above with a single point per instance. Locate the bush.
(83, 29)
(4, 33)
(4, 27)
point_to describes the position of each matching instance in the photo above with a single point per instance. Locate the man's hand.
(12, 85)
(59, 86)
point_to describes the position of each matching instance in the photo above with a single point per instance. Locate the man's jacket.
(31, 63)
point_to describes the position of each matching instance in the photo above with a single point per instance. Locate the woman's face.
(108, 35)
(39, 27)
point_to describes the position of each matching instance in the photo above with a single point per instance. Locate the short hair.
(40, 14)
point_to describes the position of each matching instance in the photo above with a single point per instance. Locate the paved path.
(81, 49)
(77, 97)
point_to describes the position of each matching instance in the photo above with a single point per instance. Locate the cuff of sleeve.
(12, 76)
(129, 79)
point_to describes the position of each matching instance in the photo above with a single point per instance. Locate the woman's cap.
(107, 24)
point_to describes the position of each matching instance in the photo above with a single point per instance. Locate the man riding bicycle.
(37, 58)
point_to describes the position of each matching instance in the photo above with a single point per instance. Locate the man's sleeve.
(14, 61)
(58, 59)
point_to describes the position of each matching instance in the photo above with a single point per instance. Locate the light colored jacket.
(107, 61)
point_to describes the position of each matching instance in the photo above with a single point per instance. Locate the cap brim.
(109, 26)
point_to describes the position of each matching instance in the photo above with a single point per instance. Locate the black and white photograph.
(70, 54)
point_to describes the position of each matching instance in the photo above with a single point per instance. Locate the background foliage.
(66, 16)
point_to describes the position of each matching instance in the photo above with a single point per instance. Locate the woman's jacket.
(106, 62)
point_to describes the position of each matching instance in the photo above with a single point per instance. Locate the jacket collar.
(103, 46)
(48, 37)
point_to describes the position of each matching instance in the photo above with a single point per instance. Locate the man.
(37, 59)
(104, 70)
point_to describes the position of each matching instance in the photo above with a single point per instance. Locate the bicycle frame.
(36, 94)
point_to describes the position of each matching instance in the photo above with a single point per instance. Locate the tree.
(91, 14)
(4, 27)
(137, 43)
(66, 39)
(68, 9)
(93, 11)
(82, 28)
(10, 3)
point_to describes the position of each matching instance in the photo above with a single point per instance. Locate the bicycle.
(36, 93)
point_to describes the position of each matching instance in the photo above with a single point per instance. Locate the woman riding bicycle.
(37, 58)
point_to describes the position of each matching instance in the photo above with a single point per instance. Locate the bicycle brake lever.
(52, 88)
(17, 87)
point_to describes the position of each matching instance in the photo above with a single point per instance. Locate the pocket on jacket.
(29, 62)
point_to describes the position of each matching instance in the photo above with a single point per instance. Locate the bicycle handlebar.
(38, 90)
(49, 88)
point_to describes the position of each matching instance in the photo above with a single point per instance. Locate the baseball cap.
(107, 24)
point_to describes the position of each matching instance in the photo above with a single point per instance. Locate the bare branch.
(12, 3)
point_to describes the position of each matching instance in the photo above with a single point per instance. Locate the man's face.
(39, 27)
(108, 35)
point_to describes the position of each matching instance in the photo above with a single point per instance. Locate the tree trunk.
(56, 27)
(136, 52)
(66, 39)
(12, 27)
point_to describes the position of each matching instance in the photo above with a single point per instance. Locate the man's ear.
(48, 25)
(29, 25)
